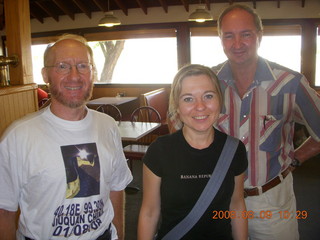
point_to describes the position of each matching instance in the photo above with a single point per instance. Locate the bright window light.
(37, 52)
(147, 60)
(284, 50)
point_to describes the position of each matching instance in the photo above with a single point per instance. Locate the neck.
(198, 140)
(67, 113)
(244, 76)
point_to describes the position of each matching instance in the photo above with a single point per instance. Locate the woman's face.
(199, 104)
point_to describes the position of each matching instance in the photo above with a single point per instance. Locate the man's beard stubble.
(58, 96)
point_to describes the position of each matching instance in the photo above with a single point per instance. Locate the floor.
(306, 185)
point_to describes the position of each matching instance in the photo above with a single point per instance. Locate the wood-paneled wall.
(16, 102)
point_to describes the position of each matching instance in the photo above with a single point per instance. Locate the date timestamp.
(261, 214)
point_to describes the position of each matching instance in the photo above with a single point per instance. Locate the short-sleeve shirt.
(60, 174)
(184, 172)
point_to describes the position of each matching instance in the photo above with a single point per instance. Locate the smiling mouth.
(239, 52)
(200, 117)
(73, 88)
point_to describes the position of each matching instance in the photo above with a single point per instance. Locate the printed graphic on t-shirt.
(82, 170)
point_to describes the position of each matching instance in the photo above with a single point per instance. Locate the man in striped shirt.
(263, 100)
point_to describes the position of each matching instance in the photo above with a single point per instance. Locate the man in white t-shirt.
(63, 167)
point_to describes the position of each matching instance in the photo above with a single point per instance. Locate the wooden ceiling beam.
(185, 3)
(164, 5)
(122, 6)
(44, 8)
(102, 6)
(143, 6)
(207, 2)
(36, 16)
(61, 4)
(254, 3)
(82, 7)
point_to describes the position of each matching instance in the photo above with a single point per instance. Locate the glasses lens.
(84, 67)
(63, 68)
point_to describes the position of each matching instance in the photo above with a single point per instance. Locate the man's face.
(72, 88)
(240, 38)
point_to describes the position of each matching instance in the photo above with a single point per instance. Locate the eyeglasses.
(65, 68)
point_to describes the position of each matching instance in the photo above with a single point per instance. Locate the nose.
(237, 43)
(200, 105)
(74, 73)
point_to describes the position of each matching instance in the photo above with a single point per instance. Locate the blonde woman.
(178, 166)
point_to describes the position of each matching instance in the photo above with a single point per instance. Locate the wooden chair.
(158, 99)
(136, 150)
(111, 110)
(44, 102)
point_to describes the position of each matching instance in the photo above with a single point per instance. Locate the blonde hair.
(187, 71)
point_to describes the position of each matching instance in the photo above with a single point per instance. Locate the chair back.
(146, 114)
(111, 110)
(159, 100)
(44, 102)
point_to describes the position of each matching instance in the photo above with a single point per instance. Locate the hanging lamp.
(200, 15)
(109, 20)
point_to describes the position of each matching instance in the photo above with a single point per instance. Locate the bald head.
(64, 40)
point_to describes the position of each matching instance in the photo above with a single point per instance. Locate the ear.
(44, 75)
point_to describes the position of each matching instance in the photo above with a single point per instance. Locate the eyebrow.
(190, 94)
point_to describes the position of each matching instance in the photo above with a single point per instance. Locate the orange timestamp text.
(261, 214)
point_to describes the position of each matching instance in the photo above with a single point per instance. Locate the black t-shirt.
(184, 173)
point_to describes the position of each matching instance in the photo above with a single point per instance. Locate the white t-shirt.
(60, 173)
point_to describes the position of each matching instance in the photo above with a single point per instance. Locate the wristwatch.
(295, 163)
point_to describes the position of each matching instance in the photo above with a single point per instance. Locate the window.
(142, 56)
(37, 52)
(207, 51)
(144, 60)
(283, 49)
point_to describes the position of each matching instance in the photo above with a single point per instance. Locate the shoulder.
(25, 123)
(167, 141)
(275, 67)
(105, 118)
(216, 69)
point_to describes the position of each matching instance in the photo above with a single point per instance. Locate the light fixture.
(200, 15)
(109, 20)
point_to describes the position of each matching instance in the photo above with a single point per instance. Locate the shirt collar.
(263, 72)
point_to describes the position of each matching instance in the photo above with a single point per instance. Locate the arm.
(306, 150)
(150, 208)
(117, 199)
(7, 225)
(239, 225)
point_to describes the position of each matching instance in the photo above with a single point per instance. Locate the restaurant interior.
(25, 23)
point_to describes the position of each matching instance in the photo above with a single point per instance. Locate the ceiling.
(40, 9)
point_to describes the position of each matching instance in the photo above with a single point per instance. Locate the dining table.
(111, 100)
(133, 131)
(124, 104)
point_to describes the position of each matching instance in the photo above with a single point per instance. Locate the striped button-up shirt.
(263, 119)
